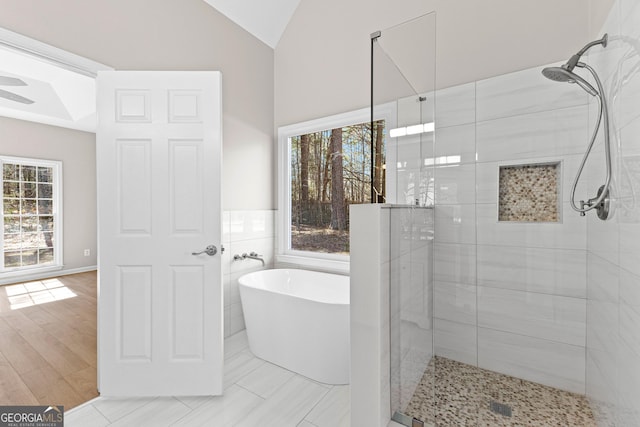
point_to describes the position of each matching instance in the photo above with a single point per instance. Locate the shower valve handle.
(582, 205)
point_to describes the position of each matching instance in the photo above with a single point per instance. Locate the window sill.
(323, 264)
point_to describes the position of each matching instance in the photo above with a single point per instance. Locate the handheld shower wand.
(565, 74)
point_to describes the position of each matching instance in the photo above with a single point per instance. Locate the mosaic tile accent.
(454, 394)
(529, 193)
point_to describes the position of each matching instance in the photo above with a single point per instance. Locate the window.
(31, 214)
(325, 166)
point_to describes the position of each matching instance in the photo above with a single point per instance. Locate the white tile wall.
(603, 281)
(505, 285)
(551, 363)
(543, 270)
(455, 143)
(629, 321)
(457, 341)
(455, 184)
(627, 408)
(602, 318)
(542, 134)
(415, 185)
(523, 92)
(248, 225)
(455, 302)
(568, 234)
(630, 246)
(613, 320)
(455, 223)
(602, 385)
(628, 80)
(455, 263)
(456, 105)
(549, 317)
(409, 151)
(604, 239)
(243, 232)
(628, 170)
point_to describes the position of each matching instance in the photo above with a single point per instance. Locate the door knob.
(210, 250)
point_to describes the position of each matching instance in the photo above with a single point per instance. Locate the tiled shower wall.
(613, 247)
(243, 232)
(509, 296)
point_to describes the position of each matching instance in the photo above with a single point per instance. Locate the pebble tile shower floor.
(454, 394)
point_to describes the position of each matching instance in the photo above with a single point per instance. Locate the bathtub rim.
(244, 283)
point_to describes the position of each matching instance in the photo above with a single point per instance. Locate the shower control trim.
(602, 207)
(252, 255)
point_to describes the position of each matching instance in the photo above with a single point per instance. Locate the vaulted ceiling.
(265, 19)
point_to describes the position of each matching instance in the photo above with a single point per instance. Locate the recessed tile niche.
(529, 193)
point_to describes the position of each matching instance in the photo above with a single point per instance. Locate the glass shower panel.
(404, 91)
(411, 314)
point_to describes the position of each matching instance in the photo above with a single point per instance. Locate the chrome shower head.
(561, 74)
(566, 74)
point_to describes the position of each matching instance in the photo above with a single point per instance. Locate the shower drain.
(500, 408)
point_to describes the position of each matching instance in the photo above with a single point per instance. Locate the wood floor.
(48, 341)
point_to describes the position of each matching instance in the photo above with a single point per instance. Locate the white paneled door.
(159, 169)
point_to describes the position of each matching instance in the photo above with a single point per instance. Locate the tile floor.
(462, 396)
(257, 394)
(260, 394)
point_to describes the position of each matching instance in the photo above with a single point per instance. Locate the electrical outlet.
(87, 252)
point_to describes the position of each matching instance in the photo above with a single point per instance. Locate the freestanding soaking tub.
(299, 320)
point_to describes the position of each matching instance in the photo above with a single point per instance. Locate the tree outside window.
(29, 214)
(330, 170)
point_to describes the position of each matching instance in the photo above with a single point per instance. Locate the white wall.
(322, 59)
(77, 151)
(175, 35)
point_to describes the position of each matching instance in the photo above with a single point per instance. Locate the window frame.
(317, 260)
(58, 259)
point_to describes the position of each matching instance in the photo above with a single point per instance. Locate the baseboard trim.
(46, 275)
